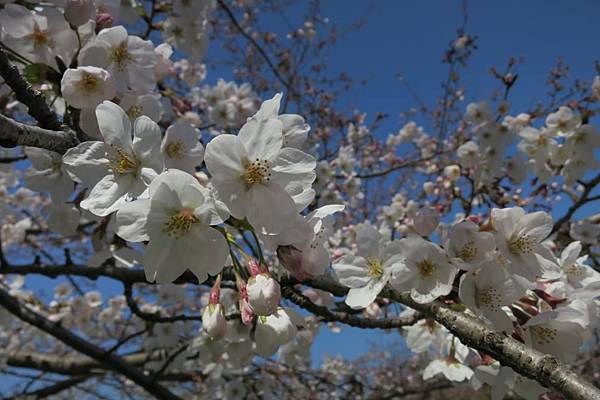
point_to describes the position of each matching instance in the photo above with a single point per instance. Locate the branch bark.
(26, 94)
(13, 133)
(545, 369)
(70, 364)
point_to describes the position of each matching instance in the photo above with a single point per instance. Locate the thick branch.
(27, 95)
(543, 368)
(13, 133)
(70, 364)
(111, 361)
(348, 319)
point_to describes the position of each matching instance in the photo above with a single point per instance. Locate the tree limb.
(545, 369)
(26, 94)
(13, 133)
(111, 361)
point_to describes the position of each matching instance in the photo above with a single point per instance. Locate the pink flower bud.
(264, 294)
(246, 310)
(255, 268)
(426, 220)
(103, 20)
(78, 12)
(215, 291)
(474, 219)
(213, 321)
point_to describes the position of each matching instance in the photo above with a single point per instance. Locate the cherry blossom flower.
(129, 59)
(176, 219)
(40, 37)
(487, 290)
(119, 168)
(273, 331)
(467, 247)
(301, 246)
(367, 272)
(181, 147)
(47, 174)
(86, 87)
(519, 238)
(257, 178)
(424, 270)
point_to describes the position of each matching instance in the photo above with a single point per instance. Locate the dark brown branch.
(26, 94)
(257, 46)
(55, 388)
(110, 361)
(8, 160)
(348, 319)
(154, 317)
(585, 198)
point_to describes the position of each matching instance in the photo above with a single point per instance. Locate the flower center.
(134, 112)
(375, 268)
(523, 244)
(543, 335)
(124, 163)
(426, 268)
(180, 224)
(468, 251)
(175, 149)
(489, 298)
(575, 271)
(257, 172)
(120, 55)
(89, 83)
(40, 38)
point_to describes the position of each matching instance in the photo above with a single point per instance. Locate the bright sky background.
(410, 37)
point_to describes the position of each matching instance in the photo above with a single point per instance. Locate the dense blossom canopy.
(237, 220)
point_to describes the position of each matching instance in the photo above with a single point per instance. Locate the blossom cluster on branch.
(238, 230)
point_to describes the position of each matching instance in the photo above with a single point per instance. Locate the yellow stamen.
(257, 172)
(124, 163)
(521, 244)
(426, 268)
(120, 55)
(175, 149)
(180, 224)
(89, 83)
(375, 268)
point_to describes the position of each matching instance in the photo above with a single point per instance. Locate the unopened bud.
(452, 172)
(78, 12)
(426, 220)
(104, 20)
(292, 260)
(245, 309)
(264, 294)
(213, 321)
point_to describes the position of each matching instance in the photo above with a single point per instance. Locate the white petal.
(114, 125)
